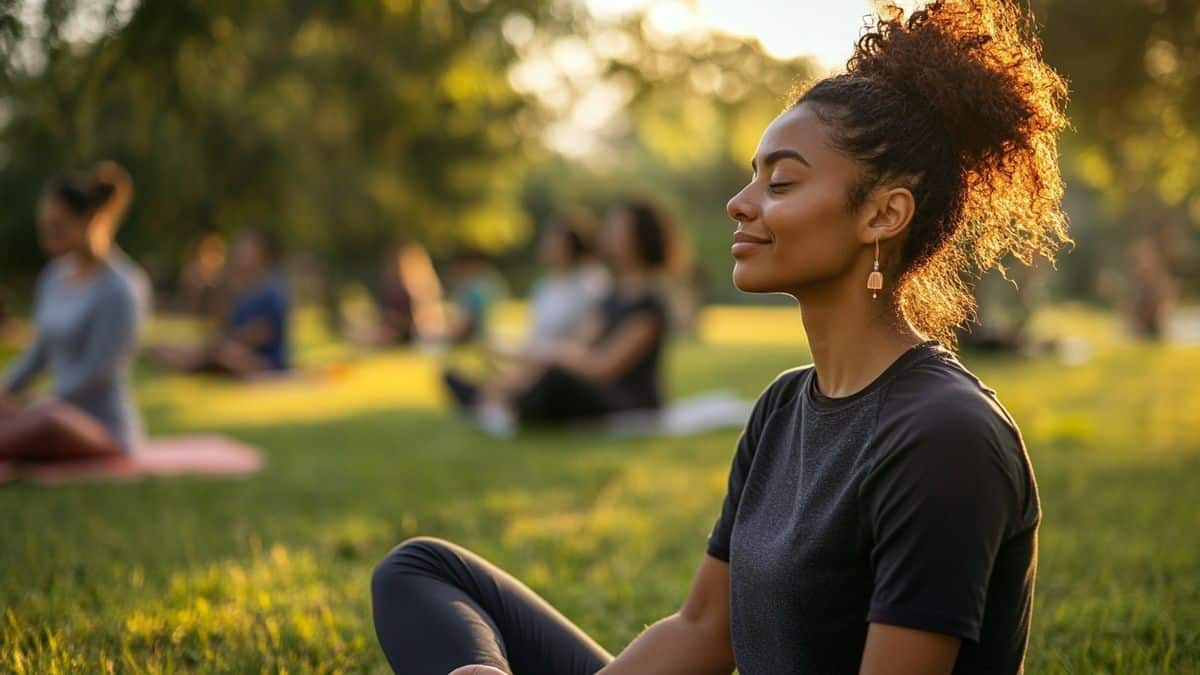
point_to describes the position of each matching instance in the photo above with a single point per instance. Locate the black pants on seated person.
(559, 395)
(438, 606)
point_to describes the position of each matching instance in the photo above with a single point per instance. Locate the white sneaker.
(496, 420)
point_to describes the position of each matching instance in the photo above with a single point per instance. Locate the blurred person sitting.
(571, 288)
(478, 286)
(201, 285)
(91, 302)
(1154, 290)
(614, 364)
(255, 339)
(408, 300)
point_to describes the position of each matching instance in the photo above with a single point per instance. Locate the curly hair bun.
(954, 102)
(977, 65)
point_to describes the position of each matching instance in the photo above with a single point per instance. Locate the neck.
(853, 338)
(85, 261)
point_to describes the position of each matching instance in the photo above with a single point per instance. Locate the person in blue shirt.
(255, 338)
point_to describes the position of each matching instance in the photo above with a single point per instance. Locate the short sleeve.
(938, 505)
(739, 470)
(650, 305)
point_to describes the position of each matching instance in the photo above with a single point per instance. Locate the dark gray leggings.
(438, 606)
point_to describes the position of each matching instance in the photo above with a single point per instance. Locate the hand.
(477, 670)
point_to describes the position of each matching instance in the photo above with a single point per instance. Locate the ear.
(886, 214)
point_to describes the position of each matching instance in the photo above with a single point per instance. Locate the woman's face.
(60, 230)
(248, 259)
(552, 249)
(793, 227)
(618, 242)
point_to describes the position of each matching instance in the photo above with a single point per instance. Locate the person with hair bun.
(91, 302)
(881, 514)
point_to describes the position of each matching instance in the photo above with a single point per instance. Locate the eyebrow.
(785, 153)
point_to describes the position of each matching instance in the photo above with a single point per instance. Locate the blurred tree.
(1134, 71)
(675, 118)
(343, 125)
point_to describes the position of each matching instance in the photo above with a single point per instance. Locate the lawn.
(271, 573)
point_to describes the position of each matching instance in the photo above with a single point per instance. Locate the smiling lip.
(740, 237)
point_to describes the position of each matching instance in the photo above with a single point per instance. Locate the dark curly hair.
(653, 232)
(955, 103)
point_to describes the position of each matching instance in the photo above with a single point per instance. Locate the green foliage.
(696, 106)
(272, 573)
(1135, 107)
(343, 125)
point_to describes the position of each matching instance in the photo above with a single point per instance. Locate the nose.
(741, 207)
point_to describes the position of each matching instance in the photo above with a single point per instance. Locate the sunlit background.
(348, 127)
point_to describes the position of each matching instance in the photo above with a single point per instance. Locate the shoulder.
(116, 287)
(941, 419)
(780, 392)
(278, 288)
(787, 384)
(939, 395)
(137, 277)
(652, 301)
(272, 291)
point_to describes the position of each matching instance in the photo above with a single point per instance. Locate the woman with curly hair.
(881, 513)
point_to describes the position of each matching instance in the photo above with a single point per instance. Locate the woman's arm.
(693, 641)
(616, 355)
(255, 333)
(26, 366)
(895, 650)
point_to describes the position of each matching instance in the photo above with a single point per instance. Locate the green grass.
(271, 573)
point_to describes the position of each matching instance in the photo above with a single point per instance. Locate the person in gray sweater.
(90, 304)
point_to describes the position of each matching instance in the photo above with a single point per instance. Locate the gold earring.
(875, 279)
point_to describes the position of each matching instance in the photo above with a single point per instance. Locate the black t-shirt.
(638, 386)
(911, 502)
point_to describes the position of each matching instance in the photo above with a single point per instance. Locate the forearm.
(675, 646)
(23, 370)
(254, 334)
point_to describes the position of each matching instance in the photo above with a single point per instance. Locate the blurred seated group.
(409, 303)
(599, 320)
(408, 300)
(595, 345)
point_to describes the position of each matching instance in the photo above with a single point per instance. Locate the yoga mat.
(209, 455)
(694, 414)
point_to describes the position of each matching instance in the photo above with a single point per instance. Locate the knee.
(48, 420)
(417, 556)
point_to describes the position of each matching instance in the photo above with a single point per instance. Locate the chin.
(747, 281)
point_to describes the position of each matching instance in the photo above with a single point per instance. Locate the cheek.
(813, 241)
(809, 231)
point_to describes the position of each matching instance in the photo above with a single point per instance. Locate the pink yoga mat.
(180, 456)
